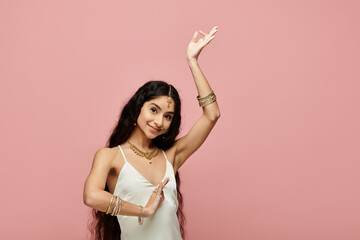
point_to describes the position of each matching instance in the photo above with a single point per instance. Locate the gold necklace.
(147, 155)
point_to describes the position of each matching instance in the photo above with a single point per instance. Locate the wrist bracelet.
(110, 204)
(116, 206)
(140, 218)
(119, 209)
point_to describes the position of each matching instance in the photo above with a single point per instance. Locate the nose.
(158, 120)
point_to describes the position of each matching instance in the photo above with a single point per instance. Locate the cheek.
(144, 116)
(168, 123)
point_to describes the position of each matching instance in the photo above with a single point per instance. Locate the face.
(156, 116)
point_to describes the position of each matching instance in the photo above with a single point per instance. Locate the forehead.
(162, 102)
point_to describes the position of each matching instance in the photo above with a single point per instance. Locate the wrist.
(147, 212)
(191, 61)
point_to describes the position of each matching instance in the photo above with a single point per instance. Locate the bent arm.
(94, 194)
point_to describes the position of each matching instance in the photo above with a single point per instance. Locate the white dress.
(132, 187)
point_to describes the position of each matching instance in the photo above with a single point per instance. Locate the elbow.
(214, 116)
(218, 114)
(88, 199)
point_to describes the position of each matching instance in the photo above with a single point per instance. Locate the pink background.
(282, 162)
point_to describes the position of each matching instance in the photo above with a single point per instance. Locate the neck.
(140, 140)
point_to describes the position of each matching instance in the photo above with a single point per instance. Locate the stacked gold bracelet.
(210, 98)
(140, 218)
(114, 207)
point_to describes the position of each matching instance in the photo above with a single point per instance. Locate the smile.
(154, 129)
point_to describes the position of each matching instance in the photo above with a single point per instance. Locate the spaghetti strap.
(165, 155)
(122, 153)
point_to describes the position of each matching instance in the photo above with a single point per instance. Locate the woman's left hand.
(194, 48)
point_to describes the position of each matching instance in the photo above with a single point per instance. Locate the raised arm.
(188, 144)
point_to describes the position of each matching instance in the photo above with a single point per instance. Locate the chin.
(152, 136)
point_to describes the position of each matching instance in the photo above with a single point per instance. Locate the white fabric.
(132, 187)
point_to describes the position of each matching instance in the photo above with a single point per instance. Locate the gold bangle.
(210, 98)
(119, 209)
(140, 218)
(116, 206)
(207, 102)
(207, 98)
(202, 98)
(110, 204)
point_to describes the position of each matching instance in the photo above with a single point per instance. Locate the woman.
(132, 186)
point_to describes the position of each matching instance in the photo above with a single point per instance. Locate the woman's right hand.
(155, 199)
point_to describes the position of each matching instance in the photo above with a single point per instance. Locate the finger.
(157, 191)
(194, 36)
(161, 195)
(214, 30)
(160, 187)
(208, 37)
(163, 183)
(202, 33)
(209, 40)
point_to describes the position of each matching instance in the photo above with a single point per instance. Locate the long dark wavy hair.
(106, 227)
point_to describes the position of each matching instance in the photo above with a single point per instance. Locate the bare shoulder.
(105, 156)
(104, 153)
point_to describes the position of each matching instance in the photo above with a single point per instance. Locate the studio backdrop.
(282, 162)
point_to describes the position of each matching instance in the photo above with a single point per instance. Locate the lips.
(154, 129)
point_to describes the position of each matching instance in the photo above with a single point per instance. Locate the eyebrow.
(160, 108)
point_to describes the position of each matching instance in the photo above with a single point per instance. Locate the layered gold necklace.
(147, 155)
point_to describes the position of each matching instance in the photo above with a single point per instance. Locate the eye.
(169, 117)
(153, 110)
